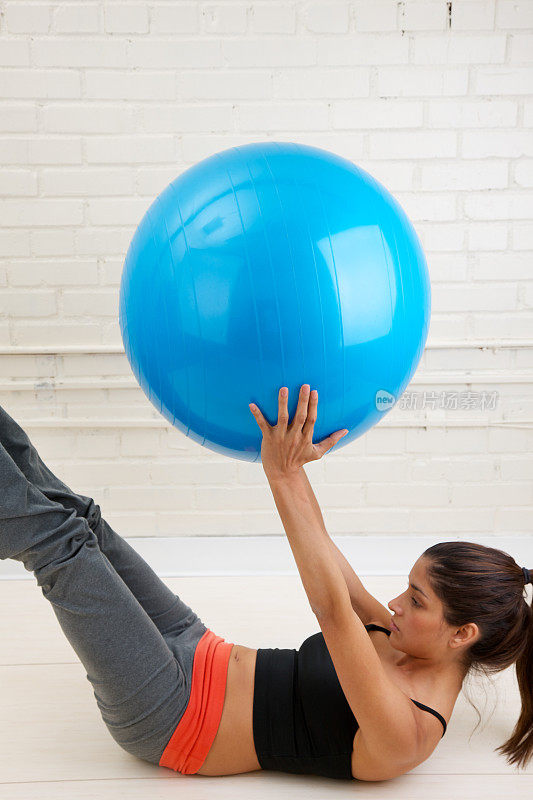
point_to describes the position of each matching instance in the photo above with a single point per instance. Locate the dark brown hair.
(486, 586)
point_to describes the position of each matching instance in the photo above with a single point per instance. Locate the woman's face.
(418, 614)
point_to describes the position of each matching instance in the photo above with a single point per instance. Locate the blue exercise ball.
(267, 265)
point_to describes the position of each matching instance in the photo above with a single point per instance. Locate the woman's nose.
(395, 606)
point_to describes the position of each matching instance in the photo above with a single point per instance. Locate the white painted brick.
(95, 364)
(36, 334)
(48, 84)
(14, 243)
(521, 48)
(186, 118)
(407, 494)
(443, 269)
(189, 471)
(97, 303)
(24, 213)
(487, 236)
(513, 520)
(523, 173)
(122, 18)
(446, 440)
(80, 52)
(326, 17)
(140, 443)
(414, 144)
(452, 327)
(88, 181)
(502, 266)
(224, 85)
(468, 16)
(21, 182)
(115, 84)
(507, 205)
(516, 467)
(128, 211)
(494, 326)
(454, 469)
(446, 237)
(28, 18)
(462, 174)
(502, 80)
(370, 468)
(426, 206)
(130, 149)
(367, 520)
(111, 272)
(182, 18)
(151, 53)
(28, 304)
(150, 181)
(76, 18)
(101, 473)
(379, 16)
(528, 113)
(475, 298)
(96, 443)
(103, 241)
(54, 150)
(422, 16)
(382, 440)
(268, 52)
(326, 83)
(51, 242)
(396, 177)
(280, 117)
(51, 443)
(53, 273)
(362, 49)
(88, 118)
(14, 53)
(500, 144)
(198, 146)
(372, 114)
(452, 520)
(493, 494)
(14, 151)
(143, 498)
(462, 49)
(17, 118)
(511, 14)
(227, 18)
(426, 82)
(27, 366)
(472, 113)
(522, 234)
(509, 440)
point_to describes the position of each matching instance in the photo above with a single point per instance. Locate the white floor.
(53, 743)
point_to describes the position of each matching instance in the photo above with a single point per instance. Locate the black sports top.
(302, 722)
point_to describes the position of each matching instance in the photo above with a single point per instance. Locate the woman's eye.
(414, 602)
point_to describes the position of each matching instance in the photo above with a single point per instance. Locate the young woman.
(368, 697)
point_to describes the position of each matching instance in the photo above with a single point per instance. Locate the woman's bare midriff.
(233, 748)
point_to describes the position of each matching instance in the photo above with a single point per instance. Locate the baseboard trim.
(271, 555)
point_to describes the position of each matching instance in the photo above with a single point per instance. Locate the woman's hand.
(285, 448)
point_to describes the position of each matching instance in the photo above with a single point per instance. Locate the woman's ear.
(465, 636)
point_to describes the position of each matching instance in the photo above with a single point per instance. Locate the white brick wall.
(102, 104)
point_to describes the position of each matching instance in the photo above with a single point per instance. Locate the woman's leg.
(169, 613)
(141, 687)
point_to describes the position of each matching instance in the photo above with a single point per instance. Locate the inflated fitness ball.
(269, 265)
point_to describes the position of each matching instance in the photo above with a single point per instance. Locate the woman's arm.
(321, 575)
(365, 605)
(355, 587)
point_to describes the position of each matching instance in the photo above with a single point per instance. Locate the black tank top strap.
(372, 627)
(431, 711)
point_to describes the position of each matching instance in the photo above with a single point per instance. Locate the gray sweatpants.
(135, 638)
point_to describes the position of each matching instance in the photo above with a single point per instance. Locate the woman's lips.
(393, 626)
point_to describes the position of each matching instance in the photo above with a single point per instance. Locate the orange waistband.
(195, 733)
